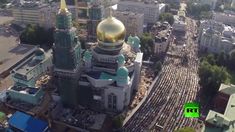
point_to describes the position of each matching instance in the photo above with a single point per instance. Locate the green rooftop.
(106, 76)
(2, 117)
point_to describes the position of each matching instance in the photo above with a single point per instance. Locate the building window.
(109, 101)
(112, 101)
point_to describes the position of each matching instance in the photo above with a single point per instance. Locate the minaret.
(67, 48)
(66, 56)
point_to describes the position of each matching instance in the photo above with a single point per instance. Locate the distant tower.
(66, 56)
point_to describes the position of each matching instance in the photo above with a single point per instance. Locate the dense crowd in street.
(177, 85)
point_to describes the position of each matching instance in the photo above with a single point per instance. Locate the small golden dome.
(110, 30)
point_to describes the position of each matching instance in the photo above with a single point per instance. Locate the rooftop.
(100, 75)
(140, 3)
(227, 89)
(161, 31)
(30, 63)
(128, 13)
(181, 13)
(31, 5)
(223, 122)
(230, 109)
(25, 90)
(12, 53)
(27, 123)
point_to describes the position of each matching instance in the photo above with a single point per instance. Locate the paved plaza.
(11, 52)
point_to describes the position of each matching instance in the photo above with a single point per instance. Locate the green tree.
(167, 17)
(36, 35)
(186, 129)
(157, 66)
(222, 59)
(210, 59)
(118, 121)
(211, 76)
(147, 45)
(198, 11)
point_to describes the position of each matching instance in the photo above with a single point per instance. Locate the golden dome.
(111, 30)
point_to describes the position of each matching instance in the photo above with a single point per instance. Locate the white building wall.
(45, 16)
(132, 21)
(151, 11)
(216, 43)
(119, 93)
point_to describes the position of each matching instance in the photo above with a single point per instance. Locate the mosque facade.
(104, 76)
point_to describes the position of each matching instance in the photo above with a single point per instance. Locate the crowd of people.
(177, 84)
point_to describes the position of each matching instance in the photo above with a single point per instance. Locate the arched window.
(112, 101)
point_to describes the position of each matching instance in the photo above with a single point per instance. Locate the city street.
(177, 85)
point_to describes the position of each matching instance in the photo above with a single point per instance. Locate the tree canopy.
(199, 11)
(157, 67)
(118, 121)
(211, 75)
(185, 129)
(36, 35)
(147, 45)
(167, 17)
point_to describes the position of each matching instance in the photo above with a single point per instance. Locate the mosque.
(103, 76)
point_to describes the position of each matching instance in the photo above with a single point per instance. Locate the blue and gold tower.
(66, 57)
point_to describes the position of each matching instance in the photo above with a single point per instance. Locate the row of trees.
(214, 70)
(36, 35)
(199, 11)
(222, 59)
(211, 76)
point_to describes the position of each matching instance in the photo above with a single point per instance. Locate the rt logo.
(191, 110)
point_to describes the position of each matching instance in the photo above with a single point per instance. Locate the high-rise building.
(35, 13)
(88, 14)
(133, 22)
(66, 56)
(214, 41)
(151, 10)
(161, 33)
(96, 13)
